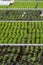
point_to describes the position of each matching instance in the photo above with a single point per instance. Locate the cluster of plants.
(16, 15)
(21, 32)
(35, 32)
(21, 55)
(24, 4)
(28, 0)
(13, 32)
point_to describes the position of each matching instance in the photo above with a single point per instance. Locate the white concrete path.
(6, 2)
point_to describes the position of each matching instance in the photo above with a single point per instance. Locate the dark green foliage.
(21, 55)
(16, 15)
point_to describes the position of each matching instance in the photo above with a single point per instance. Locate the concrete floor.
(6, 2)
